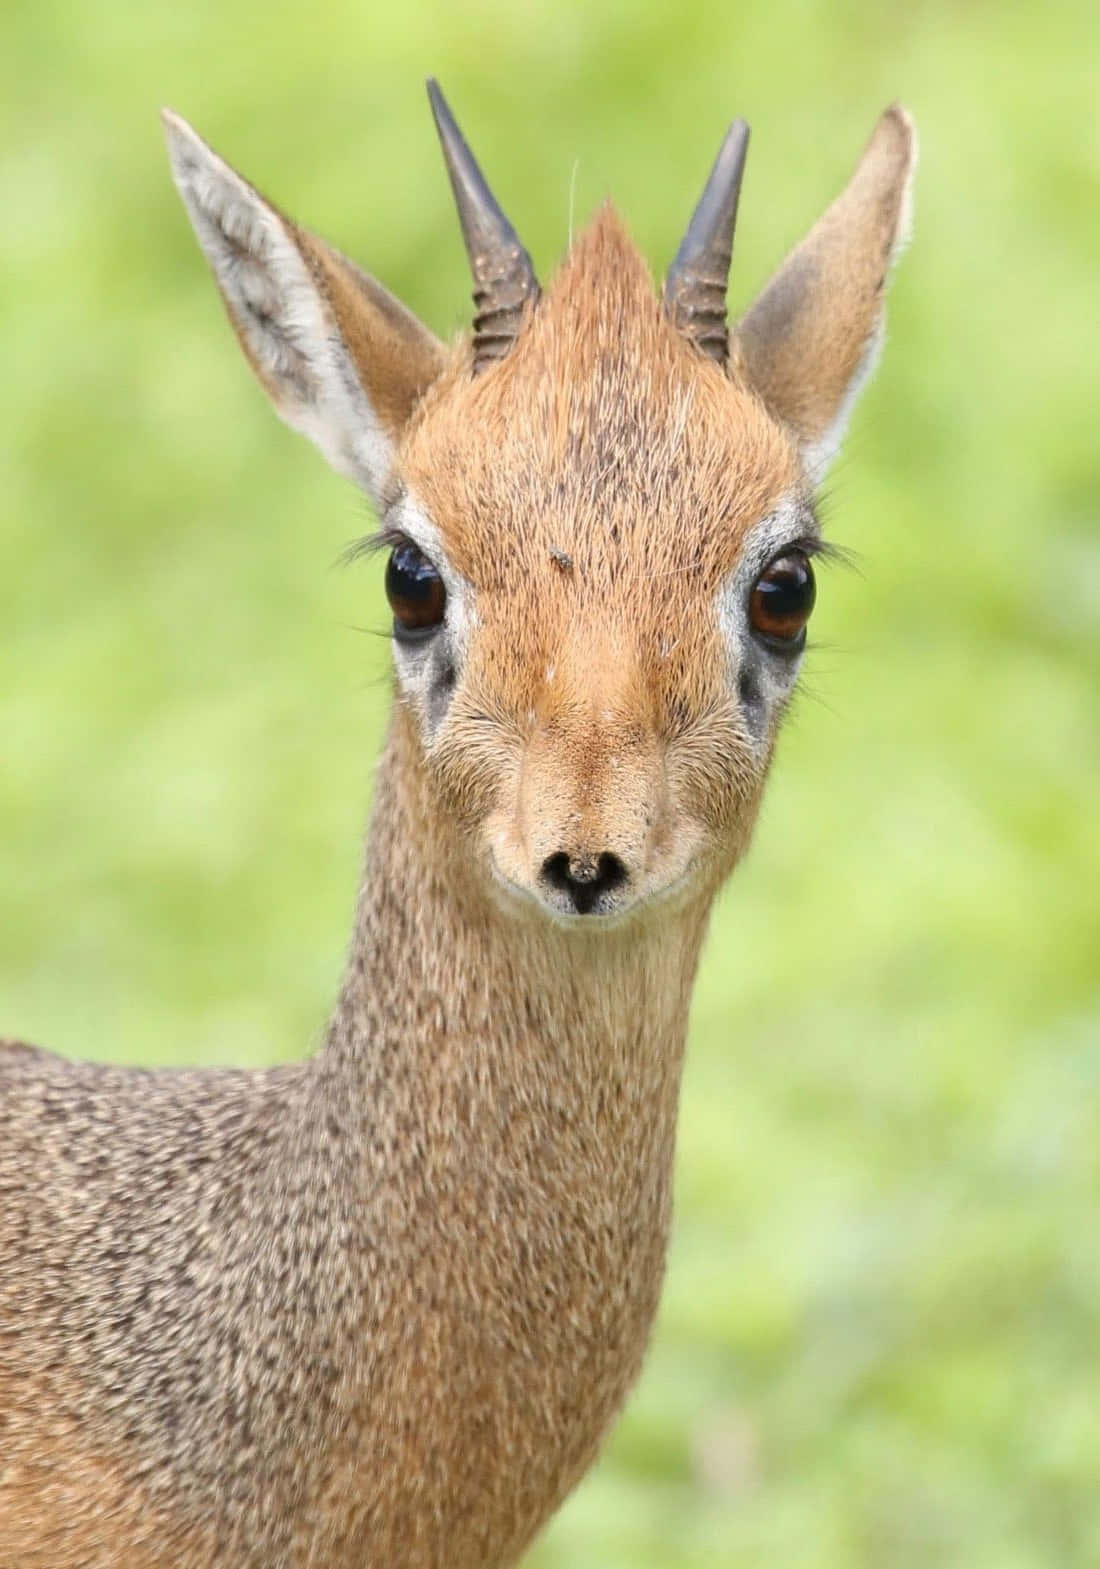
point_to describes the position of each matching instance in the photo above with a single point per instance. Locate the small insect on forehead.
(416, 593)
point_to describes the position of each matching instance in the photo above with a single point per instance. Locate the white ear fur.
(284, 321)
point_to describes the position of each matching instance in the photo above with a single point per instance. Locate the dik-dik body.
(379, 1308)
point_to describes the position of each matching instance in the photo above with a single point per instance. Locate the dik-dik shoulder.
(161, 1265)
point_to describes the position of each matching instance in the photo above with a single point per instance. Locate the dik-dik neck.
(460, 1012)
(511, 1088)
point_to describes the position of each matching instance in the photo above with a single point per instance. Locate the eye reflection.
(781, 601)
(415, 591)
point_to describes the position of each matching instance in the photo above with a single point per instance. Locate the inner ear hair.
(342, 360)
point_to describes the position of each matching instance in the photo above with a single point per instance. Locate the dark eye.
(781, 600)
(415, 592)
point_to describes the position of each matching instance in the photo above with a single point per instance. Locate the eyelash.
(813, 546)
(385, 538)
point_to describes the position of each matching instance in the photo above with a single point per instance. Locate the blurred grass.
(879, 1339)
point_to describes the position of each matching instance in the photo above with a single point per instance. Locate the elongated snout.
(589, 812)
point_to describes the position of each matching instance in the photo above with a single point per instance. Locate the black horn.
(504, 279)
(695, 289)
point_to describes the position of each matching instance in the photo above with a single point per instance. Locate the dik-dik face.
(598, 513)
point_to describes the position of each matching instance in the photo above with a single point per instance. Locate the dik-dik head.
(599, 508)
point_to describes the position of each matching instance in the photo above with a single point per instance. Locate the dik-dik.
(379, 1308)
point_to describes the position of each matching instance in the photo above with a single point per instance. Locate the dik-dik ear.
(343, 361)
(810, 341)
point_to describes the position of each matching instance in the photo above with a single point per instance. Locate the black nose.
(584, 879)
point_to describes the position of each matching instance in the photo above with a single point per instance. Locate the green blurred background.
(880, 1340)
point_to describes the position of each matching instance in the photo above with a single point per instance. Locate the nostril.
(584, 878)
(610, 873)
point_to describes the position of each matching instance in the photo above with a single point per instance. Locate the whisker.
(382, 632)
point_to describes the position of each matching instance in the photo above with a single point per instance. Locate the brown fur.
(66, 1504)
(382, 1306)
(397, 358)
